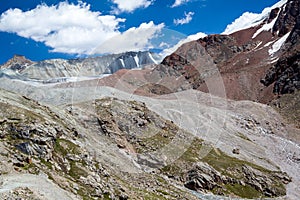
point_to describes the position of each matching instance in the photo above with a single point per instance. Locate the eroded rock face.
(287, 18)
(203, 177)
(40, 139)
(36, 138)
(285, 74)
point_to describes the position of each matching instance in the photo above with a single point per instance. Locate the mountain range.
(216, 119)
(59, 70)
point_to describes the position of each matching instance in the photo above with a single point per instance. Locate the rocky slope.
(112, 148)
(44, 145)
(267, 52)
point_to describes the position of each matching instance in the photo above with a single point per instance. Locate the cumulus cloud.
(179, 3)
(134, 39)
(130, 5)
(67, 28)
(188, 17)
(189, 38)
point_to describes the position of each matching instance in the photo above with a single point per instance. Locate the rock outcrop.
(285, 74)
(204, 177)
(17, 63)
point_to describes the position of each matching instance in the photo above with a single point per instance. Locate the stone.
(236, 151)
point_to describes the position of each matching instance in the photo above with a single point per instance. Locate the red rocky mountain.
(255, 63)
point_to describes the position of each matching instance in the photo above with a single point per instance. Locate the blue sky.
(58, 29)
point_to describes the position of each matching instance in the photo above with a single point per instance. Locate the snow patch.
(274, 60)
(122, 62)
(277, 45)
(268, 44)
(257, 45)
(266, 27)
(248, 19)
(55, 81)
(136, 59)
(269, 26)
(151, 57)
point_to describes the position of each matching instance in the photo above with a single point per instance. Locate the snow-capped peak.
(248, 19)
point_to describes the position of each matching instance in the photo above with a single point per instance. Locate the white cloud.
(190, 38)
(69, 28)
(188, 17)
(163, 45)
(249, 19)
(130, 5)
(179, 3)
(134, 39)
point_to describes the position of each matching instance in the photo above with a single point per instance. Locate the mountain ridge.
(255, 48)
(96, 66)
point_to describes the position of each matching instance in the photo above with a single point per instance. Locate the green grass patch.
(83, 193)
(46, 163)
(106, 196)
(76, 171)
(243, 191)
(29, 166)
(162, 192)
(190, 156)
(221, 162)
(63, 147)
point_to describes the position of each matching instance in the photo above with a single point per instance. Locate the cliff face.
(285, 74)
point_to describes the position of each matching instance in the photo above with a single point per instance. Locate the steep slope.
(286, 72)
(111, 148)
(244, 57)
(43, 146)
